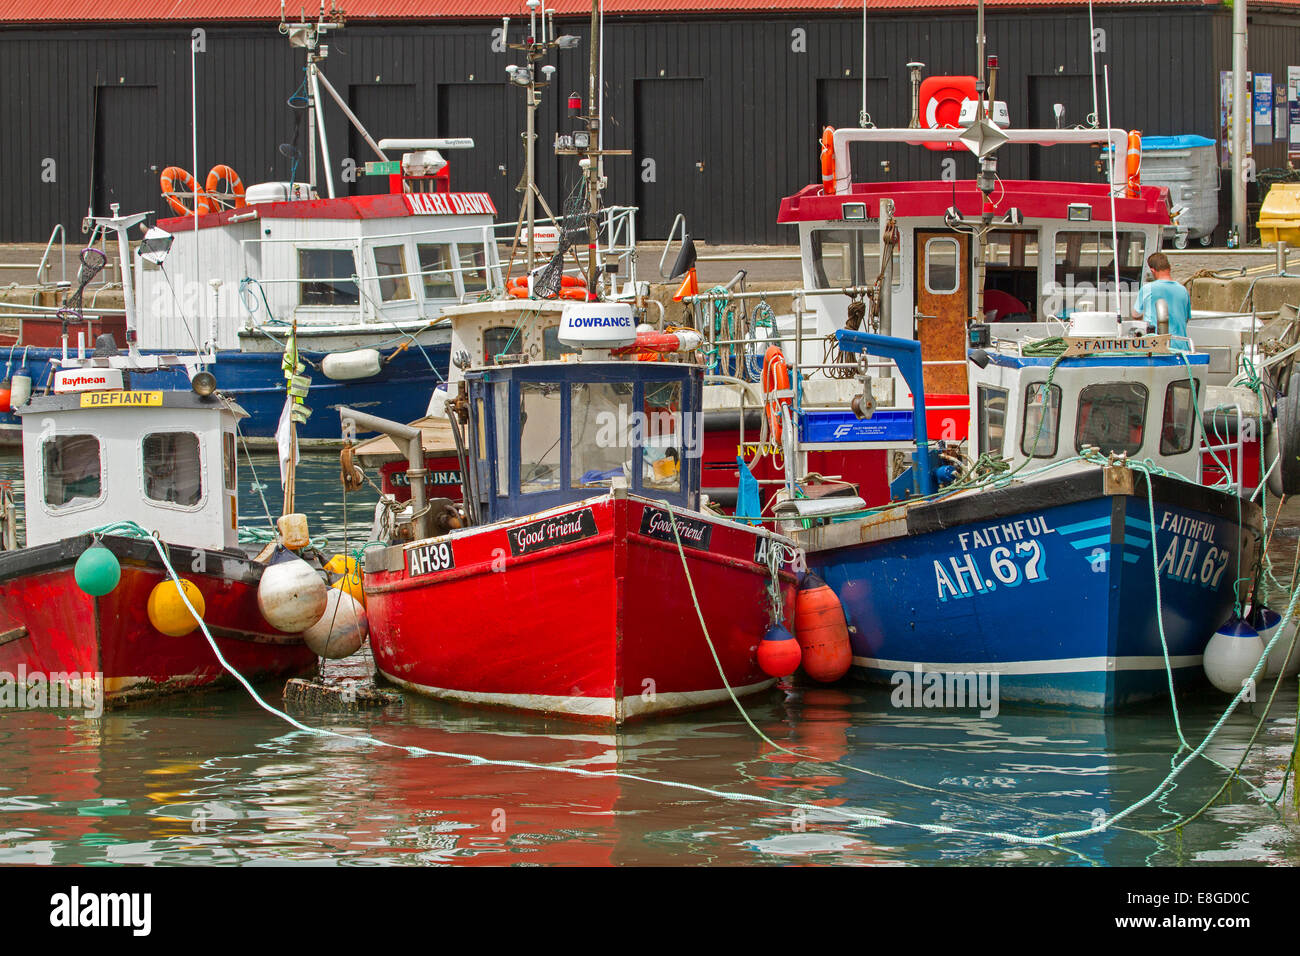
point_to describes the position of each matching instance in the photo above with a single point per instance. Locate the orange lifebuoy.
(167, 181)
(828, 160)
(1134, 164)
(215, 175)
(571, 287)
(776, 388)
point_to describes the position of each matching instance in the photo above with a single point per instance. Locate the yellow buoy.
(167, 611)
(347, 570)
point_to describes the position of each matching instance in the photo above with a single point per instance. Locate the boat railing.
(1234, 446)
(42, 268)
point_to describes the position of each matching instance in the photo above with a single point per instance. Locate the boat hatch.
(1142, 407)
(550, 434)
(165, 460)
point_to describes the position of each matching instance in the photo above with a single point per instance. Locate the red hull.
(50, 626)
(601, 627)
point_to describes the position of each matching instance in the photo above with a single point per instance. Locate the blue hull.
(255, 380)
(1049, 585)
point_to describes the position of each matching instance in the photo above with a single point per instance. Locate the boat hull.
(49, 626)
(1051, 585)
(595, 623)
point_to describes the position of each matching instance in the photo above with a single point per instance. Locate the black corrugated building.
(721, 108)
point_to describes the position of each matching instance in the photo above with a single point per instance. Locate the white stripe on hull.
(585, 707)
(1065, 665)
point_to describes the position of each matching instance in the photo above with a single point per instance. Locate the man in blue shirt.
(1163, 286)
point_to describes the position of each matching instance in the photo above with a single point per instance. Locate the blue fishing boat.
(1089, 569)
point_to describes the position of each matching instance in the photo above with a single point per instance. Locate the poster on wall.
(1263, 108)
(1293, 113)
(1225, 119)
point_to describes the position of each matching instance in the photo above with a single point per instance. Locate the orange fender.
(822, 631)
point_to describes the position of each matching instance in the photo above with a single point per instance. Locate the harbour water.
(216, 779)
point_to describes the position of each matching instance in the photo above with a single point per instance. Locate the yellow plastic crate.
(1279, 216)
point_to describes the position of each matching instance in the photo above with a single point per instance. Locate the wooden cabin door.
(943, 283)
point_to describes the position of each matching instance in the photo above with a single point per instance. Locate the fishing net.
(92, 263)
(575, 229)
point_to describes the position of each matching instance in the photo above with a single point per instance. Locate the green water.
(215, 779)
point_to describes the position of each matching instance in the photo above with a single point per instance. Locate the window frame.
(1192, 386)
(1054, 394)
(1078, 414)
(956, 260)
(332, 283)
(76, 504)
(982, 390)
(203, 472)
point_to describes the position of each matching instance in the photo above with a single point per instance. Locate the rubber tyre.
(1286, 426)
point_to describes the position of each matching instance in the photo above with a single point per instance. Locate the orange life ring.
(167, 181)
(1134, 163)
(577, 293)
(215, 176)
(572, 282)
(828, 160)
(776, 389)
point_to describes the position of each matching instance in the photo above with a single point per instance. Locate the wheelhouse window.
(326, 277)
(539, 436)
(390, 267)
(501, 340)
(501, 410)
(1178, 428)
(1086, 266)
(552, 348)
(473, 266)
(1112, 416)
(228, 460)
(942, 265)
(436, 271)
(173, 468)
(1011, 275)
(844, 257)
(71, 469)
(601, 435)
(1042, 420)
(991, 412)
(661, 462)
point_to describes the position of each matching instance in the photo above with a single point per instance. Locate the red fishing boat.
(89, 613)
(581, 577)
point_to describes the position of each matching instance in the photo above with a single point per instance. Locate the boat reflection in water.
(223, 782)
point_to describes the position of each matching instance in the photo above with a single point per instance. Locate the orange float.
(778, 652)
(822, 631)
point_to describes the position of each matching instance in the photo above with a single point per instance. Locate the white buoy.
(1232, 654)
(1280, 649)
(341, 629)
(292, 595)
(20, 390)
(1265, 622)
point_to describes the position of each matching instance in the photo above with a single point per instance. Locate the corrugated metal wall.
(749, 122)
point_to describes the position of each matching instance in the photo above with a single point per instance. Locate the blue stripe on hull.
(1062, 622)
(400, 391)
